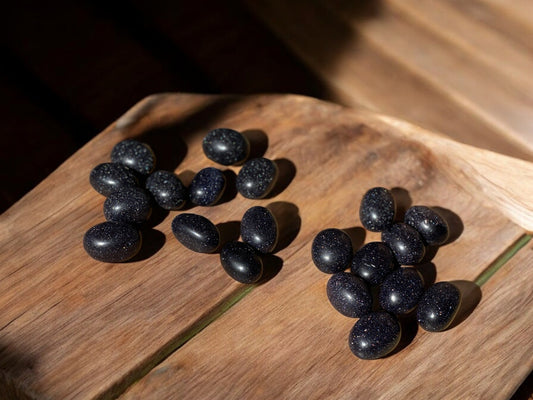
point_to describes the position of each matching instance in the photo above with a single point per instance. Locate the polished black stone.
(257, 178)
(429, 224)
(130, 205)
(108, 177)
(438, 306)
(374, 335)
(332, 251)
(373, 262)
(401, 290)
(259, 229)
(349, 295)
(377, 209)
(207, 186)
(241, 262)
(135, 155)
(196, 233)
(226, 146)
(167, 190)
(112, 242)
(405, 242)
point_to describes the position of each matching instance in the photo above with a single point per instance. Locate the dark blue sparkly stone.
(349, 295)
(401, 291)
(108, 177)
(377, 209)
(196, 233)
(405, 242)
(207, 186)
(130, 205)
(135, 155)
(112, 242)
(429, 224)
(373, 262)
(226, 146)
(374, 335)
(167, 190)
(257, 178)
(438, 306)
(240, 261)
(259, 229)
(332, 251)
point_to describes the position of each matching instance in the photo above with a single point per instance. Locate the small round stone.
(332, 251)
(112, 242)
(405, 243)
(259, 229)
(196, 233)
(207, 186)
(108, 177)
(167, 190)
(373, 262)
(130, 205)
(257, 178)
(226, 146)
(240, 261)
(429, 224)
(401, 291)
(349, 295)
(135, 155)
(375, 335)
(377, 209)
(438, 306)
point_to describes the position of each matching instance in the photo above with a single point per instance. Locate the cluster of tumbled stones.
(132, 187)
(384, 268)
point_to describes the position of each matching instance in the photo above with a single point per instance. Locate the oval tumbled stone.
(429, 224)
(207, 186)
(438, 306)
(373, 262)
(377, 209)
(112, 242)
(131, 205)
(401, 290)
(257, 178)
(226, 146)
(135, 155)
(196, 233)
(405, 243)
(349, 295)
(259, 229)
(375, 335)
(108, 177)
(332, 250)
(240, 261)
(167, 190)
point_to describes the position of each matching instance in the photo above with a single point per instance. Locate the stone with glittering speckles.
(130, 205)
(438, 306)
(405, 242)
(207, 186)
(196, 232)
(226, 146)
(167, 190)
(135, 155)
(377, 209)
(349, 295)
(241, 262)
(106, 178)
(401, 290)
(373, 262)
(429, 224)
(259, 229)
(374, 335)
(112, 242)
(332, 251)
(257, 178)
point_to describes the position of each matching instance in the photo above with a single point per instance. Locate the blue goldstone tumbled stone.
(259, 229)
(196, 233)
(108, 177)
(257, 178)
(349, 295)
(226, 146)
(401, 290)
(429, 224)
(374, 335)
(438, 306)
(405, 242)
(131, 205)
(241, 262)
(112, 242)
(373, 262)
(377, 209)
(135, 155)
(332, 251)
(167, 190)
(207, 186)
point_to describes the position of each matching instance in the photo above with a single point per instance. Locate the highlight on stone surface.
(429, 224)
(377, 209)
(226, 146)
(135, 155)
(106, 178)
(167, 190)
(241, 262)
(374, 335)
(207, 186)
(112, 242)
(438, 306)
(257, 177)
(405, 242)
(373, 262)
(401, 290)
(131, 205)
(259, 229)
(332, 250)
(349, 295)
(196, 232)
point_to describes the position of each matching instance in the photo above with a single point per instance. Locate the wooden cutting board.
(167, 325)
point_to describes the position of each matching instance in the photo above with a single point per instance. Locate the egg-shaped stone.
(438, 306)
(377, 209)
(241, 262)
(405, 243)
(429, 224)
(259, 229)
(375, 335)
(226, 146)
(131, 205)
(107, 178)
(332, 250)
(349, 295)
(257, 177)
(196, 232)
(373, 262)
(112, 242)
(207, 186)
(135, 155)
(167, 190)
(401, 290)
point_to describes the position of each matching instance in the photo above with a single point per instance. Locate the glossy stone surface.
(373, 262)
(438, 306)
(429, 224)
(226, 146)
(401, 290)
(405, 243)
(112, 242)
(374, 335)
(259, 229)
(108, 177)
(241, 262)
(130, 205)
(257, 178)
(167, 190)
(332, 251)
(377, 209)
(349, 295)
(207, 186)
(135, 155)
(196, 233)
